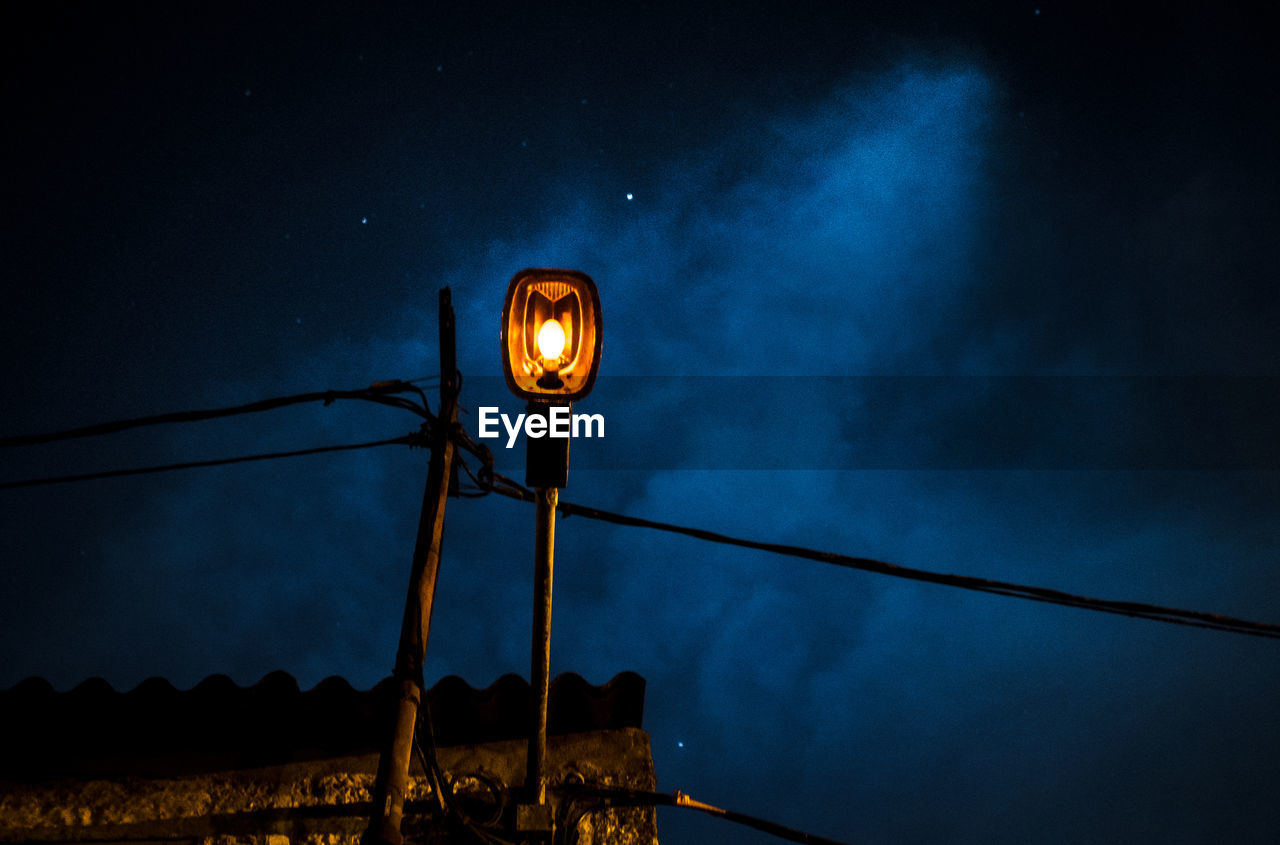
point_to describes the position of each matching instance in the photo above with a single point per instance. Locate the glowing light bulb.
(551, 340)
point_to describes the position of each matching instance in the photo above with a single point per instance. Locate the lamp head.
(551, 335)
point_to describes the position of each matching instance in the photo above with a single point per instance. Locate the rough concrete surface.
(325, 802)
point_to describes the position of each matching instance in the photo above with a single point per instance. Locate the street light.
(551, 336)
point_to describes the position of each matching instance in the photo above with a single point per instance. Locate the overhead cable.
(619, 797)
(487, 481)
(407, 440)
(1140, 610)
(381, 392)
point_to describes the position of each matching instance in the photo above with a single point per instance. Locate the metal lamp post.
(551, 337)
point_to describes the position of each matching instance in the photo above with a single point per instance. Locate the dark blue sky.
(977, 289)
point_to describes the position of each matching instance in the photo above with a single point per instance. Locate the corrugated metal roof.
(157, 729)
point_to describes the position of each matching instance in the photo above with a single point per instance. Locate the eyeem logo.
(558, 423)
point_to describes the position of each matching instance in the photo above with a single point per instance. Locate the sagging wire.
(410, 440)
(488, 479)
(477, 490)
(380, 392)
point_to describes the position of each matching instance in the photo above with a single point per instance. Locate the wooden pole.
(393, 765)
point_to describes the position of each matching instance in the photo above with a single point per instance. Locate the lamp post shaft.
(540, 655)
(393, 765)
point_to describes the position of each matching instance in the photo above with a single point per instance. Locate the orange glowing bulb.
(551, 340)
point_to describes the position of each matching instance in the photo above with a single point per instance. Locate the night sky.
(985, 289)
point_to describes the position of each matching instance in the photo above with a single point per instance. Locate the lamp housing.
(551, 363)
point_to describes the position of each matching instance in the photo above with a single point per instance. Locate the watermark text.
(558, 423)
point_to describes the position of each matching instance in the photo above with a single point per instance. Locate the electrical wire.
(381, 392)
(618, 797)
(486, 481)
(609, 797)
(443, 788)
(505, 486)
(416, 439)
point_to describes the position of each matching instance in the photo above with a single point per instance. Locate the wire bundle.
(484, 481)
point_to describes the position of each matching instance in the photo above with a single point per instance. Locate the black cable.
(507, 487)
(445, 796)
(396, 385)
(479, 489)
(416, 439)
(382, 392)
(486, 480)
(617, 797)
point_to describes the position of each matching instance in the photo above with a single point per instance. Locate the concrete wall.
(326, 801)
